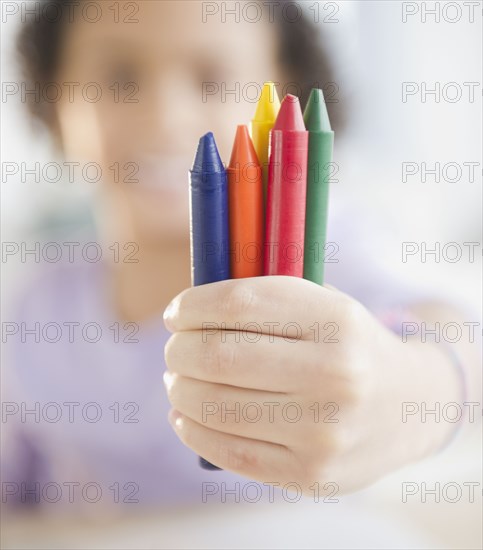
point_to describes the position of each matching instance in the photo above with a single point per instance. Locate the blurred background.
(379, 50)
(373, 53)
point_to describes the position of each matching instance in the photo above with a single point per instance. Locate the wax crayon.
(287, 185)
(209, 215)
(245, 202)
(209, 222)
(321, 143)
(266, 113)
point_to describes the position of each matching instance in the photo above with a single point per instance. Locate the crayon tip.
(290, 115)
(243, 152)
(315, 115)
(268, 105)
(207, 157)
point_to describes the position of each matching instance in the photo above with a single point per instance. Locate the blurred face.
(164, 81)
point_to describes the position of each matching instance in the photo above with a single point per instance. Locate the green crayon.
(321, 144)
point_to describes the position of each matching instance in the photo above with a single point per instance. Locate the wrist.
(442, 371)
(437, 390)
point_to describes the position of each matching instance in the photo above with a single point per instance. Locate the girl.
(331, 404)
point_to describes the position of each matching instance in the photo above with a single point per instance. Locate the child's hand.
(325, 408)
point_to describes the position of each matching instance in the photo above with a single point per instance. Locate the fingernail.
(168, 380)
(169, 313)
(174, 418)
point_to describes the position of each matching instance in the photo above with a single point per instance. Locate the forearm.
(448, 375)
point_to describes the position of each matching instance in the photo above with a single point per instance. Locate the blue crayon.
(210, 260)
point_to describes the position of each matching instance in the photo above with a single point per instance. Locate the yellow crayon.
(265, 115)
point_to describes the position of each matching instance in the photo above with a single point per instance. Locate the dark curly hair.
(300, 54)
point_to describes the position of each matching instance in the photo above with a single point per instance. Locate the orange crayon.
(245, 204)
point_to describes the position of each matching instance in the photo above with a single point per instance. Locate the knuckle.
(353, 315)
(345, 356)
(357, 392)
(356, 378)
(229, 416)
(322, 463)
(234, 458)
(239, 297)
(226, 408)
(313, 469)
(219, 358)
(337, 442)
(353, 384)
(212, 395)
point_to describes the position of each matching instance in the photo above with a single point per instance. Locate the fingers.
(254, 459)
(254, 303)
(246, 360)
(265, 416)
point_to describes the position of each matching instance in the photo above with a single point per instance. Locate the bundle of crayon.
(266, 214)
